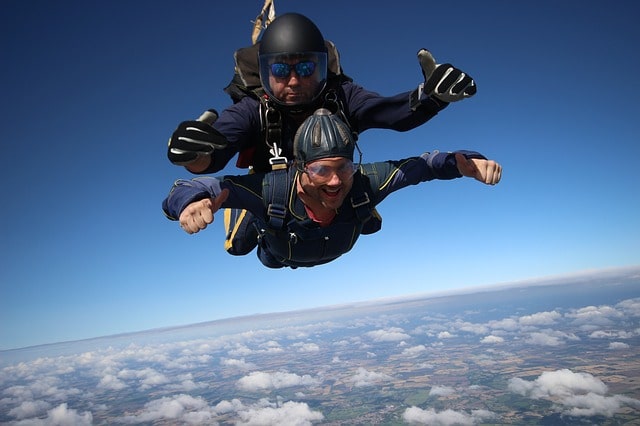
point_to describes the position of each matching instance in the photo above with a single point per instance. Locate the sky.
(91, 92)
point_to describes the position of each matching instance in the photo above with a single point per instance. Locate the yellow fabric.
(231, 233)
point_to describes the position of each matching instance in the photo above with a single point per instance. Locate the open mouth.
(331, 192)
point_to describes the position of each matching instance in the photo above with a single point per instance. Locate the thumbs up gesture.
(444, 81)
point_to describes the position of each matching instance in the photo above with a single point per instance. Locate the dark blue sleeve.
(369, 110)
(245, 192)
(240, 124)
(390, 176)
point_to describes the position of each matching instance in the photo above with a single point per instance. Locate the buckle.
(276, 211)
(355, 203)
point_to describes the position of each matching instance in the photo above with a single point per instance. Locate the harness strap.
(275, 188)
(360, 201)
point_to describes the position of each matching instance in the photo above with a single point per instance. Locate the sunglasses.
(303, 69)
(320, 173)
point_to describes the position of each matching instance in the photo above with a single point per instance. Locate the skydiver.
(299, 72)
(314, 211)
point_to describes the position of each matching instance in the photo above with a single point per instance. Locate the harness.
(303, 243)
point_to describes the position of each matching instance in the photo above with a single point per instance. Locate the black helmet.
(292, 38)
(322, 135)
(292, 33)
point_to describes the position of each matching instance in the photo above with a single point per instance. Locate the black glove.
(444, 81)
(193, 139)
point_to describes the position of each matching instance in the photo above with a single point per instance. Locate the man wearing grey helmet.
(314, 212)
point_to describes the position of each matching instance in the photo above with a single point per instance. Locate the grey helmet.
(322, 135)
(289, 38)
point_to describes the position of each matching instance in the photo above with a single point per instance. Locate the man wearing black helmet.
(314, 212)
(298, 71)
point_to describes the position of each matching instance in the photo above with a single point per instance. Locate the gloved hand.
(444, 81)
(193, 139)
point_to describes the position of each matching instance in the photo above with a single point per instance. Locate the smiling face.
(327, 181)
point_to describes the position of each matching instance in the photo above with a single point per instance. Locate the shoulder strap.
(275, 189)
(360, 200)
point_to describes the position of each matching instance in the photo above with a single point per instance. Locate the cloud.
(441, 391)
(578, 394)
(540, 318)
(508, 324)
(610, 334)
(306, 347)
(148, 377)
(181, 408)
(28, 409)
(470, 327)
(415, 415)
(259, 380)
(363, 377)
(111, 382)
(240, 364)
(392, 334)
(288, 414)
(594, 315)
(445, 335)
(618, 345)
(414, 350)
(630, 307)
(549, 338)
(62, 415)
(492, 339)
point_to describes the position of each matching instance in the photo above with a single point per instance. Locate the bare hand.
(486, 171)
(199, 214)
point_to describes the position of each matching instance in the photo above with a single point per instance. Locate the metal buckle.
(276, 211)
(366, 200)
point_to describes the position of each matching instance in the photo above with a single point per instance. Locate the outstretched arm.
(199, 214)
(486, 171)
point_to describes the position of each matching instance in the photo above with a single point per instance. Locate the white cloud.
(508, 324)
(549, 338)
(578, 394)
(630, 307)
(259, 380)
(363, 377)
(445, 335)
(540, 318)
(594, 316)
(612, 334)
(492, 339)
(441, 391)
(558, 383)
(111, 382)
(240, 364)
(288, 414)
(593, 404)
(181, 408)
(306, 347)
(61, 416)
(414, 350)
(618, 345)
(415, 415)
(470, 327)
(392, 334)
(148, 377)
(28, 409)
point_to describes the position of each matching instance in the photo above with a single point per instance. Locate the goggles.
(320, 173)
(283, 70)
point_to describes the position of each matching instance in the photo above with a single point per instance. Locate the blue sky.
(92, 91)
